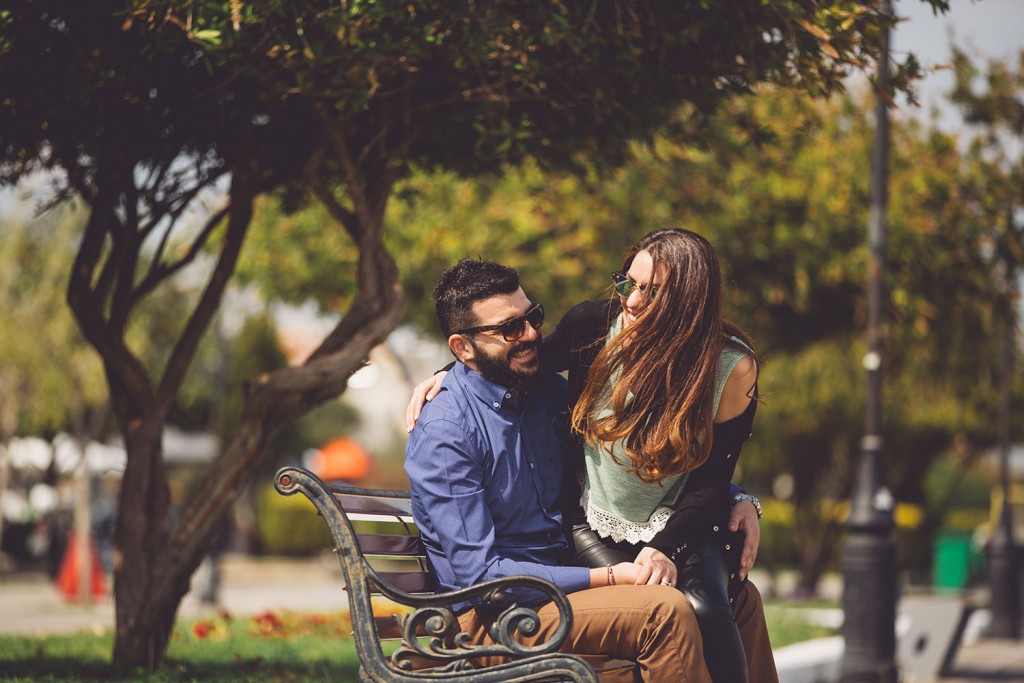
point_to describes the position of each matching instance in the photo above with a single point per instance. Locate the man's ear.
(462, 349)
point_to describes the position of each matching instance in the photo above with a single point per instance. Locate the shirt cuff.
(574, 579)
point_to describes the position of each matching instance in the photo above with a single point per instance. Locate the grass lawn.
(788, 623)
(269, 648)
(278, 647)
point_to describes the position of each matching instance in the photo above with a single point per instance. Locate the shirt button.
(732, 576)
(728, 456)
(508, 395)
(495, 404)
(716, 528)
(728, 547)
(531, 465)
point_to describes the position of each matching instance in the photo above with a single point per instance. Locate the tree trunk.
(8, 424)
(146, 594)
(141, 634)
(273, 400)
(808, 533)
(5, 474)
(154, 564)
(816, 536)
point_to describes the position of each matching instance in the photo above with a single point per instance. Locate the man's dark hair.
(465, 283)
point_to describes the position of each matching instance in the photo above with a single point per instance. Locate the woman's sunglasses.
(513, 328)
(624, 286)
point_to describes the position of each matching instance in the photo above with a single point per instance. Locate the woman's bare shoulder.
(738, 391)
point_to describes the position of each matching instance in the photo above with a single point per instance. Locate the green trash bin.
(951, 561)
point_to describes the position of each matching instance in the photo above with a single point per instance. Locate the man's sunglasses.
(513, 328)
(624, 286)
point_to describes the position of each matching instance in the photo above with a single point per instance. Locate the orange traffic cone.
(71, 566)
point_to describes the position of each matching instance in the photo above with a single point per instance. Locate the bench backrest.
(389, 541)
(387, 535)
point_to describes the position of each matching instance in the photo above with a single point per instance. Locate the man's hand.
(424, 391)
(744, 518)
(655, 568)
(625, 574)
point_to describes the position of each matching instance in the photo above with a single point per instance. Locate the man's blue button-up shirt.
(485, 468)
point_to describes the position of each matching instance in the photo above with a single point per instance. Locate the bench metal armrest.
(433, 618)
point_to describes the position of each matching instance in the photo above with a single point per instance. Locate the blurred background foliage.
(44, 361)
(778, 183)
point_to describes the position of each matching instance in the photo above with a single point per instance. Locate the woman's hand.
(655, 568)
(744, 518)
(423, 392)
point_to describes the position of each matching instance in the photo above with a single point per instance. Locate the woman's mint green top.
(620, 505)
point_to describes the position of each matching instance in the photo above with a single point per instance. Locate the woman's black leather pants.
(703, 577)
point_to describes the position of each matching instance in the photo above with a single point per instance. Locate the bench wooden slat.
(387, 628)
(375, 505)
(410, 582)
(376, 517)
(390, 544)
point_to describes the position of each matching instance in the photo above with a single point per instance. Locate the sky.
(986, 28)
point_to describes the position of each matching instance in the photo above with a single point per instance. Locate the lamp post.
(869, 552)
(1004, 581)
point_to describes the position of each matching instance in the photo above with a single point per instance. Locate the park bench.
(386, 558)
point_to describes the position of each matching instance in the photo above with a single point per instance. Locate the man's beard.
(499, 370)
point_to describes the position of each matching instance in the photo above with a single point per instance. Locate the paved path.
(989, 660)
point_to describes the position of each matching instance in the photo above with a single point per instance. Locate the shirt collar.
(490, 393)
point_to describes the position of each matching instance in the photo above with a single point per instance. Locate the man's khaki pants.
(653, 626)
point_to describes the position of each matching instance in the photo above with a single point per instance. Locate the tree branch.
(123, 369)
(167, 209)
(321, 191)
(111, 264)
(243, 191)
(159, 272)
(130, 243)
(355, 183)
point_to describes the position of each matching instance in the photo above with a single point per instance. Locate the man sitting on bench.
(485, 470)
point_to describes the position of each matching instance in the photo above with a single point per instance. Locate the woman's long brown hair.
(666, 363)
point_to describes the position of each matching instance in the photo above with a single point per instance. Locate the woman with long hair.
(662, 397)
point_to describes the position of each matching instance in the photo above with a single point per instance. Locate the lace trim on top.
(609, 525)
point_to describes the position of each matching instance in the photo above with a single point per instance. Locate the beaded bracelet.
(611, 576)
